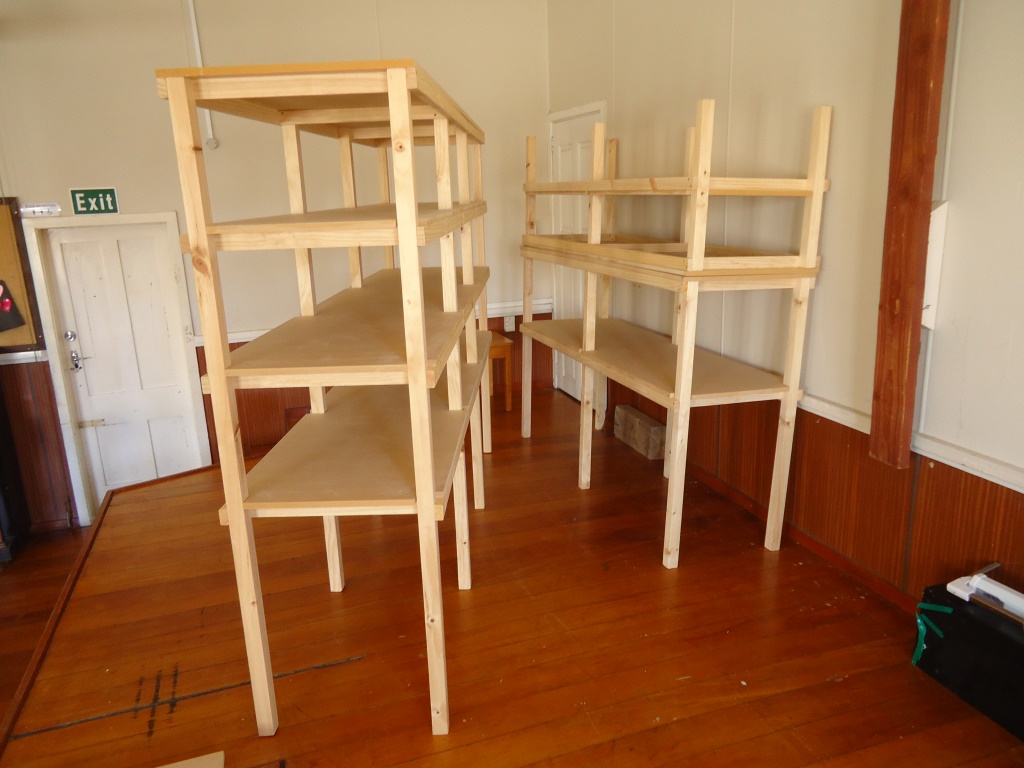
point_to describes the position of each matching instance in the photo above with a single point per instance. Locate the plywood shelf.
(340, 227)
(645, 361)
(356, 337)
(356, 458)
(666, 265)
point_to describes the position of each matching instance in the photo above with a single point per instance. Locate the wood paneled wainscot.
(38, 444)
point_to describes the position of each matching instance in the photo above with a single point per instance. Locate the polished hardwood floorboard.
(574, 647)
(29, 587)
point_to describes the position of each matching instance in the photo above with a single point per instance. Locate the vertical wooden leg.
(508, 379)
(600, 400)
(679, 419)
(477, 456)
(787, 414)
(586, 425)
(462, 524)
(666, 469)
(254, 624)
(433, 615)
(780, 473)
(527, 394)
(335, 566)
(490, 372)
(485, 412)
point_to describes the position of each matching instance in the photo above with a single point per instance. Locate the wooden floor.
(575, 647)
(30, 585)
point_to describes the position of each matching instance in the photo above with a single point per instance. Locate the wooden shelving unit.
(395, 363)
(673, 371)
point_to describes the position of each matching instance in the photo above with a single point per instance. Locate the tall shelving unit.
(673, 371)
(394, 363)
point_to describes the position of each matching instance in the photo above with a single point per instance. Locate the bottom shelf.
(356, 458)
(645, 361)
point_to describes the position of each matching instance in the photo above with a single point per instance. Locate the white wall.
(974, 393)
(766, 65)
(80, 110)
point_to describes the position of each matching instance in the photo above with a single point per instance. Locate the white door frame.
(36, 240)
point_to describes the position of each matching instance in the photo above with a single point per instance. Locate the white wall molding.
(237, 337)
(840, 414)
(985, 467)
(507, 308)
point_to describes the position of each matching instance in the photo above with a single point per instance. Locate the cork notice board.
(19, 315)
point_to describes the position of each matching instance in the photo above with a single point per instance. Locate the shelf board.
(339, 227)
(331, 96)
(665, 265)
(645, 361)
(356, 458)
(356, 337)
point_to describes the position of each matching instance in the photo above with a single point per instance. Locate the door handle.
(76, 361)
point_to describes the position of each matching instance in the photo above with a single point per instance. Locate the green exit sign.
(87, 201)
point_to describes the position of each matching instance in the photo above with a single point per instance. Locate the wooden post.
(920, 67)
(473, 352)
(419, 407)
(303, 256)
(684, 332)
(348, 188)
(809, 236)
(461, 504)
(192, 170)
(531, 229)
(594, 300)
(480, 257)
(679, 417)
(685, 230)
(384, 183)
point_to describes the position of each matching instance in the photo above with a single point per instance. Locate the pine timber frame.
(674, 372)
(399, 348)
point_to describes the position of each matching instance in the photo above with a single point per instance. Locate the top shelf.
(332, 99)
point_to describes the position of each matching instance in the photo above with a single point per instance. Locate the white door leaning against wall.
(121, 334)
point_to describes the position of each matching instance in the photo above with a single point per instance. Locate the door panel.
(119, 309)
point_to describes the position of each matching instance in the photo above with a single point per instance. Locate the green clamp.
(924, 624)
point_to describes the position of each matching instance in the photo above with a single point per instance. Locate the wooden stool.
(501, 346)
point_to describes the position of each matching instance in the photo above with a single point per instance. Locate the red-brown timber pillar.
(924, 26)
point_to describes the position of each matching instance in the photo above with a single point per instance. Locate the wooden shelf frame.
(404, 349)
(673, 371)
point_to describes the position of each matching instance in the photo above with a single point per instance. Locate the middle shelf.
(357, 336)
(340, 227)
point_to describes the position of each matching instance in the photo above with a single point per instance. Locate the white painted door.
(571, 133)
(124, 333)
